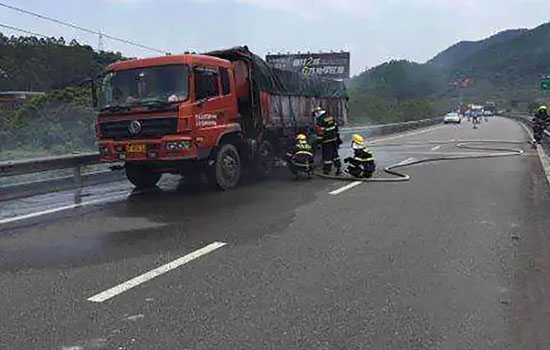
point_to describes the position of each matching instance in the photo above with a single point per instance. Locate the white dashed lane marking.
(345, 188)
(136, 281)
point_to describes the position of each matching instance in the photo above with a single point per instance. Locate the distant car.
(487, 113)
(451, 118)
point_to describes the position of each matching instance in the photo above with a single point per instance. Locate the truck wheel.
(226, 172)
(266, 159)
(141, 175)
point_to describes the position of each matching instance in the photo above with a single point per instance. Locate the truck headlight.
(177, 145)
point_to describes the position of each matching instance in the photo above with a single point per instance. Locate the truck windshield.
(142, 86)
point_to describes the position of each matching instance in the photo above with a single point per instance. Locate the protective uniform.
(300, 156)
(361, 165)
(329, 138)
(540, 122)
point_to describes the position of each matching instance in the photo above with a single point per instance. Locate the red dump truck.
(210, 114)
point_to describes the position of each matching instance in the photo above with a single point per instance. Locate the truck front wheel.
(226, 171)
(142, 176)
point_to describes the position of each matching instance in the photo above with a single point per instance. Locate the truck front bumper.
(168, 148)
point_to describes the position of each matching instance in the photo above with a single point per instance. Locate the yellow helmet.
(542, 108)
(358, 140)
(301, 137)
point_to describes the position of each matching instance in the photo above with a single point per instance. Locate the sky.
(374, 31)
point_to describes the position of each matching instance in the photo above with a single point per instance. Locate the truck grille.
(152, 127)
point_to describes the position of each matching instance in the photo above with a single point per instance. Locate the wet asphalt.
(457, 258)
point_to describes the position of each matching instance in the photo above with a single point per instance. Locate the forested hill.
(466, 49)
(505, 68)
(39, 64)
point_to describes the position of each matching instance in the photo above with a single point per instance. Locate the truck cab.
(166, 114)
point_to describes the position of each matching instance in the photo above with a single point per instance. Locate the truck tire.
(141, 175)
(266, 159)
(226, 172)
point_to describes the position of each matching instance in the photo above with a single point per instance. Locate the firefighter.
(329, 139)
(361, 165)
(540, 122)
(300, 157)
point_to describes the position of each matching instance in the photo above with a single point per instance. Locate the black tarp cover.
(283, 82)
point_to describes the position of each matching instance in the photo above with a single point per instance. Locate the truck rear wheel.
(226, 171)
(142, 176)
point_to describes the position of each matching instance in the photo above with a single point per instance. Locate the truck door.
(214, 104)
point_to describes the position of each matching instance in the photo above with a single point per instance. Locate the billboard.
(334, 65)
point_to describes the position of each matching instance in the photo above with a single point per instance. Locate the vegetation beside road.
(61, 121)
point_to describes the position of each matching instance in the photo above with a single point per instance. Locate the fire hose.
(498, 152)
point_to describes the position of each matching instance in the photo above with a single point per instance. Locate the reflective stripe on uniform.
(363, 159)
(304, 152)
(327, 162)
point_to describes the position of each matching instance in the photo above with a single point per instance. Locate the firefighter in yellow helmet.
(540, 122)
(300, 157)
(361, 165)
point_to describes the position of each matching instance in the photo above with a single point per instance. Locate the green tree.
(60, 120)
(29, 63)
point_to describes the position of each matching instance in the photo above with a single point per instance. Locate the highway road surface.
(457, 258)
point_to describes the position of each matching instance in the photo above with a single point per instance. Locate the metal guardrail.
(77, 162)
(384, 129)
(76, 179)
(36, 165)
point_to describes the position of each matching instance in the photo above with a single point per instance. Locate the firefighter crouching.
(328, 137)
(300, 157)
(361, 165)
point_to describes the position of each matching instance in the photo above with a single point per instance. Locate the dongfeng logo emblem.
(135, 127)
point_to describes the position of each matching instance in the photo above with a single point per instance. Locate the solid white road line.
(544, 158)
(109, 293)
(345, 188)
(436, 148)
(58, 209)
(545, 162)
